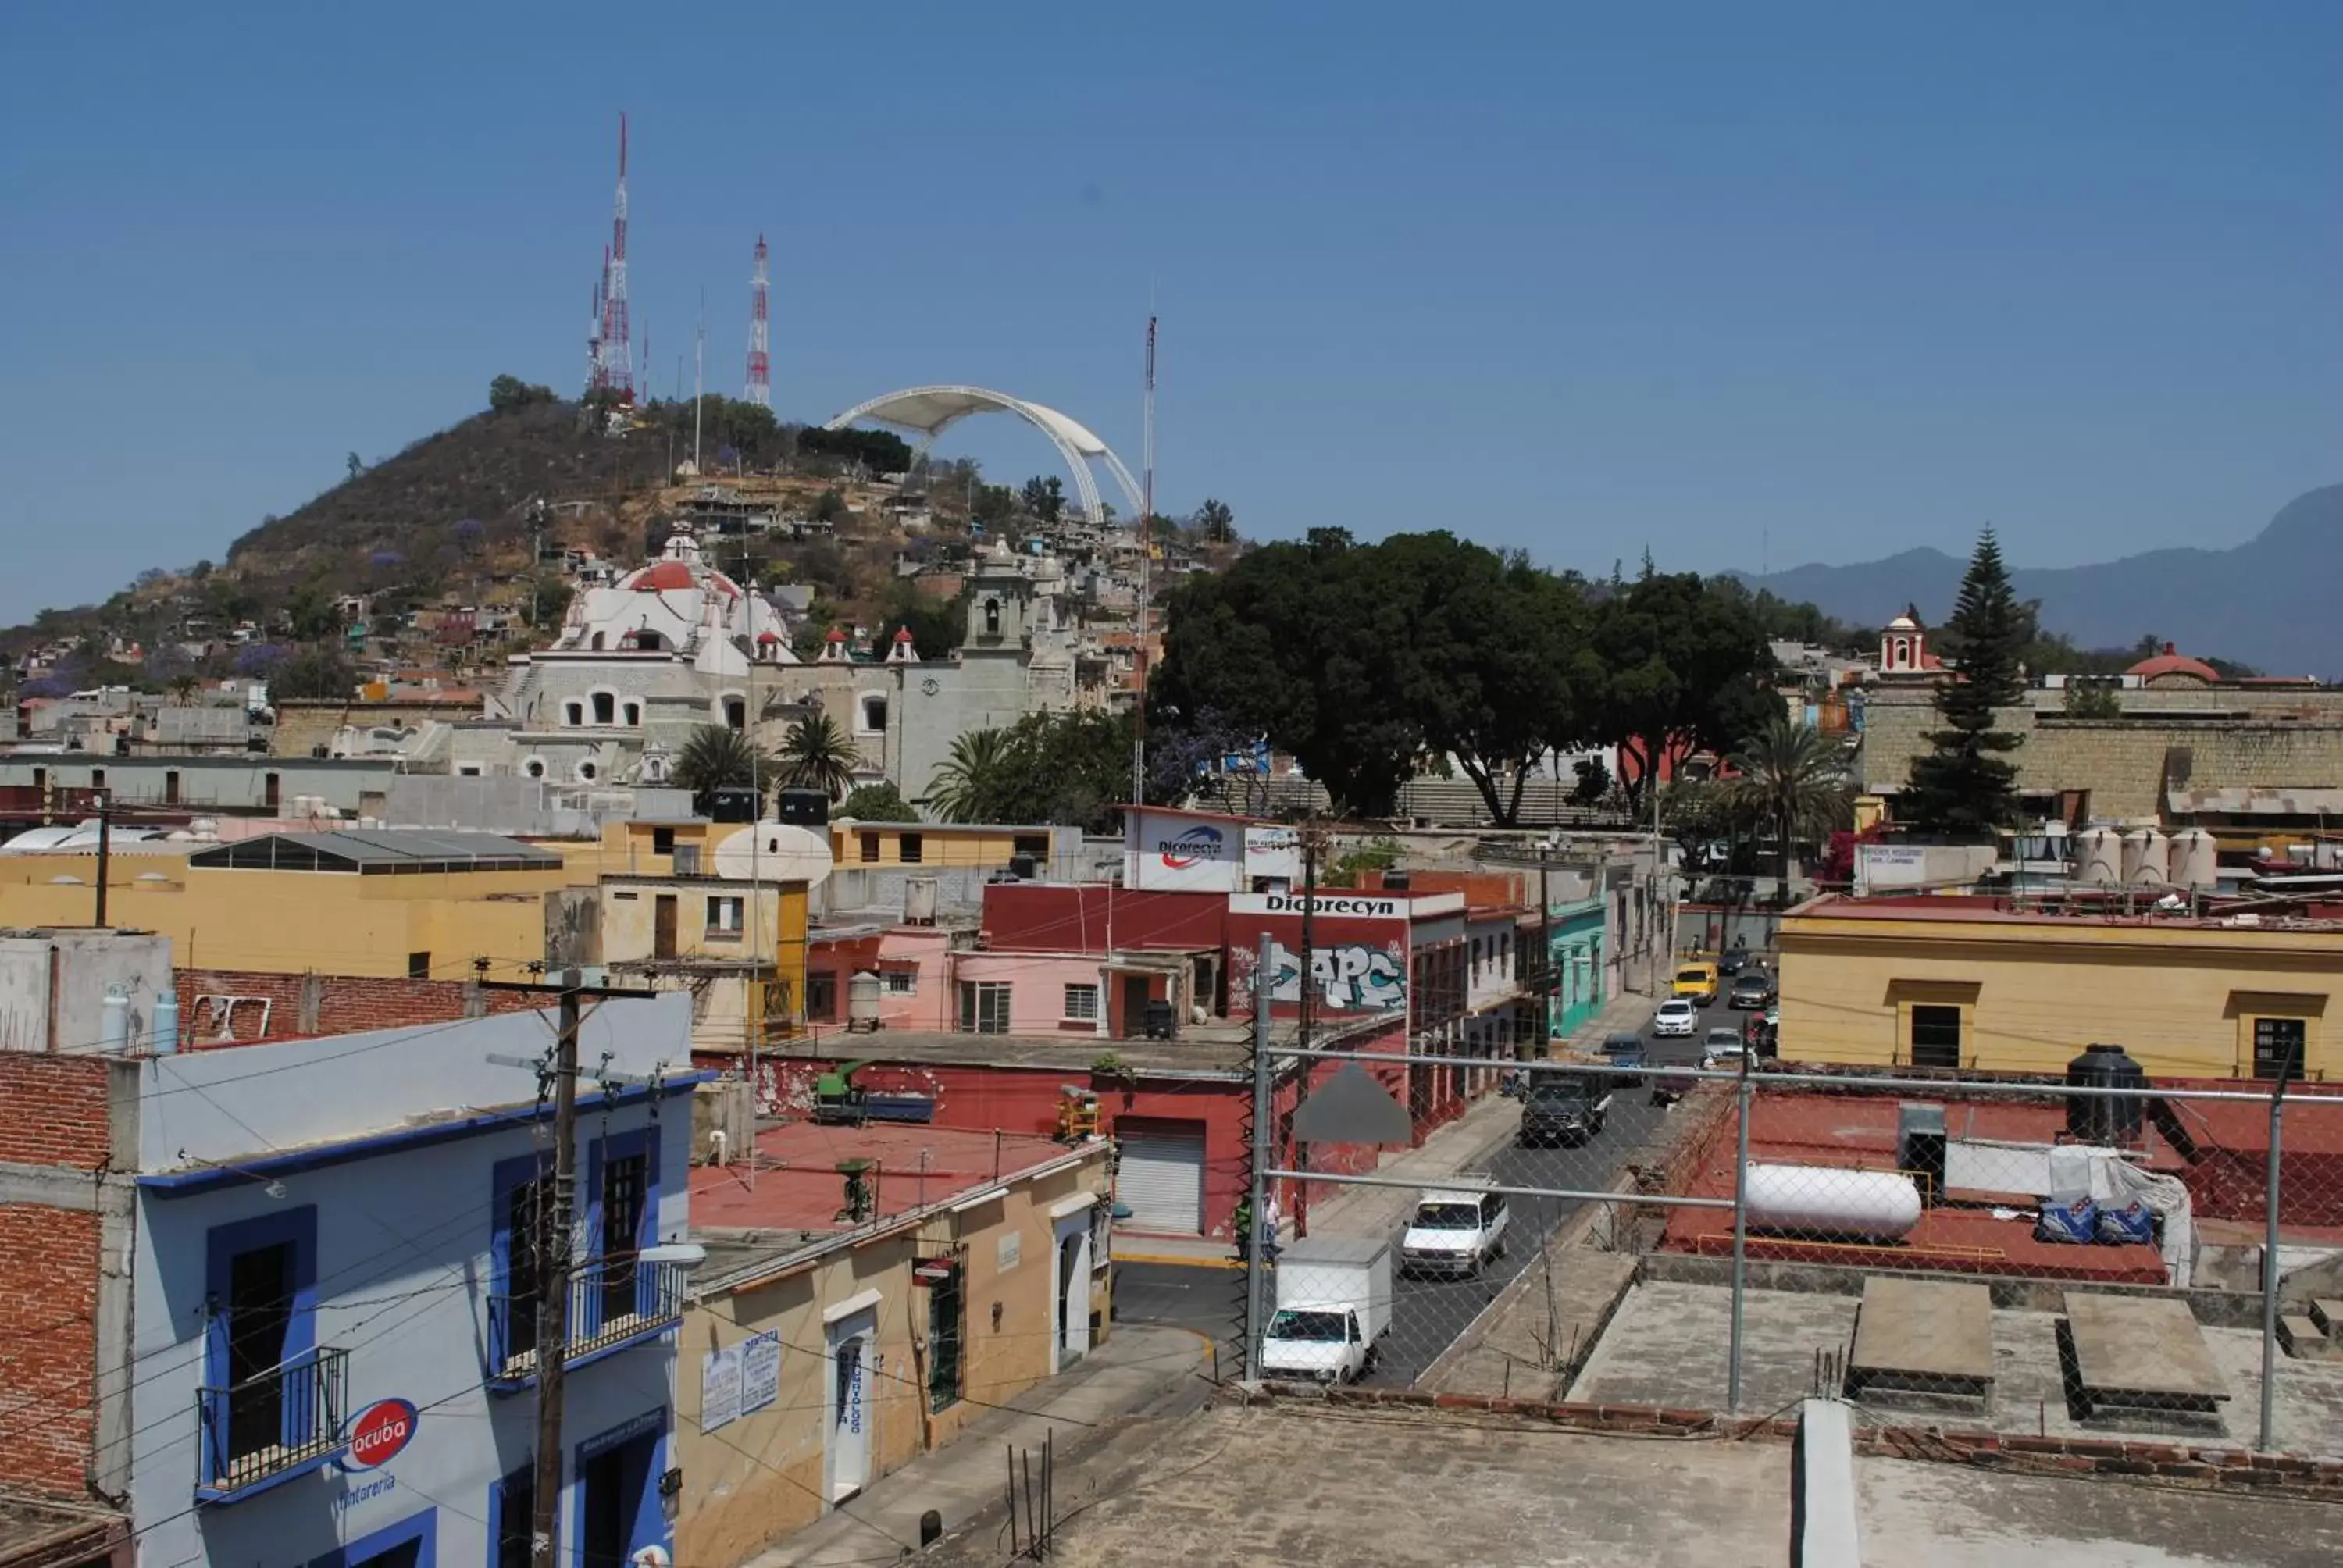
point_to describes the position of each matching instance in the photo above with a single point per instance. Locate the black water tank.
(803, 808)
(2105, 1119)
(732, 805)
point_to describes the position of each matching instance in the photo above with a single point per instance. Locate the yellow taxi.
(1696, 981)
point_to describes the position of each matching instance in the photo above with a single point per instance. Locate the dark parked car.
(1563, 1108)
(1752, 992)
(1625, 1053)
(1730, 961)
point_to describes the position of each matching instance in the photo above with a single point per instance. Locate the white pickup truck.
(1454, 1231)
(1334, 1303)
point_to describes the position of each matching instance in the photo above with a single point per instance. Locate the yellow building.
(381, 902)
(739, 947)
(1956, 981)
(992, 846)
(805, 1375)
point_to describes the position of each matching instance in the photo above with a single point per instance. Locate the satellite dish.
(775, 851)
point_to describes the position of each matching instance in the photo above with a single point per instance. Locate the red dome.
(767, 636)
(2171, 662)
(837, 633)
(903, 634)
(662, 576)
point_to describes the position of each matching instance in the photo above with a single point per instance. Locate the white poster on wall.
(761, 1372)
(1183, 851)
(720, 1388)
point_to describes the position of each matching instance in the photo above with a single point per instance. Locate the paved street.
(1428, 1313)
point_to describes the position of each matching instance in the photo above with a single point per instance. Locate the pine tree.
(1966, 784)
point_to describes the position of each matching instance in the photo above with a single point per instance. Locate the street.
(1428, 1314)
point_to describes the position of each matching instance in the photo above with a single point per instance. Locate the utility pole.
(1548, 981)
(105, 851)
(1300, 1154)
(553, 1243)
(1265, 981)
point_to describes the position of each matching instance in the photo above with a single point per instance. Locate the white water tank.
(2147, 857)
(1825, 1200)
(919, 901)
(862, 1002)
(2098, 857)
(2196, 859)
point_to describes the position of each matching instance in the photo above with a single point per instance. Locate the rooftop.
(377, 850)
(2099, 912)
(1219, 1048)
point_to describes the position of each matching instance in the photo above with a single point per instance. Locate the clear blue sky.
(1793, 280)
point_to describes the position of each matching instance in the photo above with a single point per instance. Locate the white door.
(1161, 1178)
(846, 1456)
(1072, 1340)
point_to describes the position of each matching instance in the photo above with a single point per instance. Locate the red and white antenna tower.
(594, 328)
(617, 352)
(760, 363)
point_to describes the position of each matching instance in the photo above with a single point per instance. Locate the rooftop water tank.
(2097, 858)
(862, 1002)
(919, 901)
(2196, 859)
(2105, 1119)
(2147, 857)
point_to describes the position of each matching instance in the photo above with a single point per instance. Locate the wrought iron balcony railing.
(278, 1420)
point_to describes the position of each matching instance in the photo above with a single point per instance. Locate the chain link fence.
(2107, 1258)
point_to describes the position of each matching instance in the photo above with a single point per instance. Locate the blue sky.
(1744, 284)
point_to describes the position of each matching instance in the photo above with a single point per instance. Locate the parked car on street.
(1696, 981)
(1752, 990)
(1563, 1108)
(1624, 1052)
(1677, 1017)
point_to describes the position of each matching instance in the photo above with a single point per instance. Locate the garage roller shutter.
(1162, 1178)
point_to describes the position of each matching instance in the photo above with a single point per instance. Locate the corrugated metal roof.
(376, 850)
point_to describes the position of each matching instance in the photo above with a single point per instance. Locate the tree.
(817, 755)
(995, 505)
(1685, 668)
(1044, 497)
(184, 687)
(355, 464)
(2091, 697)
(880, 802)
(829, 507)
(1215, 524)
(1793, 780)
(715, 756)
(972, 784)
(548, 600)
(508, 393)
(1965, 783)
(311, 615)
(934, 622)
(315, 672)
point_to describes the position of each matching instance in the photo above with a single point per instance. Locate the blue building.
(335, 1296)
(1576, 948)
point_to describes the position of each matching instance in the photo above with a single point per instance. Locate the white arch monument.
(927, 411)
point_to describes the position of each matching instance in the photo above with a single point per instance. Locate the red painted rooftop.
(798, 1187)
(2173, 662)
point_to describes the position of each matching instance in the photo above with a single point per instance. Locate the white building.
(333, 1300)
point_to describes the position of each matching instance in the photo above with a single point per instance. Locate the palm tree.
(715, 756)
(817, 755)
(1794, 779)
(968, 786)
(183, 688)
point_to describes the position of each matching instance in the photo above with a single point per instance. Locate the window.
(985, 1006)
(992, 618)
(573, 714)
(736, 713)
(171, 786)
(606, 707)
(946, 1324)
(516, 1220)
(597, 642)
(909, 848)
(662, 840)
(267, 1398)
(40, 777)
(271, 789)
(634, 713)
(419, 966)
(900, 982)
(821, 996)
(874, 714)
(588, 773)
(2279, 1045)
(624, 1183)
(1036, 845)
(515, 1512)
(724, 918)
(870, 847)
(1082, 1003)
(97, 779)
(534, 768)
(1936, 1036)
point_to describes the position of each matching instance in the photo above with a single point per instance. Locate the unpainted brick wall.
(345, 1004)
(53, 1111)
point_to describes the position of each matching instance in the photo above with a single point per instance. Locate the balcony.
(272, 1427)
(614, 1303)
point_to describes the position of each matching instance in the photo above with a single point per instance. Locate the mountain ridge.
(2266, 602)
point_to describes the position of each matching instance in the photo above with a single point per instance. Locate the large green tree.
(315, 672)
(880, 802)
(1687, 669)
(1966, 783)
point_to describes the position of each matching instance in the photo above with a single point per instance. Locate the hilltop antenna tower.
(594, 328)
(618, 366)
(760, 364)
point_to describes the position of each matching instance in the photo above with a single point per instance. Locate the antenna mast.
(761, 368)
(1146, 551)
(617, 366)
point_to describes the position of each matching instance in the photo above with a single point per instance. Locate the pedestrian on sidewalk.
(1269, 1221)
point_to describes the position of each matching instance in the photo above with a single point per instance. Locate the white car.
(1677, 1017)
(1454, 1232)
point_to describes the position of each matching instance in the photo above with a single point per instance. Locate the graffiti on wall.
(1353, 979)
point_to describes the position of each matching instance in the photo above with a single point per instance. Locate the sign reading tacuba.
(379, 1432)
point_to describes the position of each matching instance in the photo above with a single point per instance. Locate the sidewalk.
(1140, 1367)
(1354, 1210)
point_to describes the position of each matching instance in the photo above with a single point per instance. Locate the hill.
(2268, 602)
